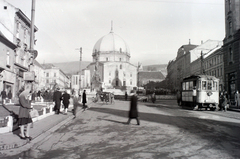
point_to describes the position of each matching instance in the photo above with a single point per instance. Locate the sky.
(153, 29)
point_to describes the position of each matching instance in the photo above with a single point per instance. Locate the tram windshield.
(210, 85)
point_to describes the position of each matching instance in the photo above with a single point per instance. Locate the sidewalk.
(40, 129)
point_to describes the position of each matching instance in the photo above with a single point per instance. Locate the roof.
(151, 75)
(4, 40)
(111, 43)
(201, 76)
(35, 62)
(185, 49)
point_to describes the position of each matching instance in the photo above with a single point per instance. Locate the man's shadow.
(114, 121)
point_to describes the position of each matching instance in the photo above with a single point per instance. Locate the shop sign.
(29, 76)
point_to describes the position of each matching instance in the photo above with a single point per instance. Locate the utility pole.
(31, 50)
(29, 76)
(80, 71)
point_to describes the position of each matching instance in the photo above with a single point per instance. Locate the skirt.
(24, 121)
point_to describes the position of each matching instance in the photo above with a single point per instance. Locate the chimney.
(189, 41)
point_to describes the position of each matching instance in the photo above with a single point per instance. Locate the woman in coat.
(25, 119)
(65, 98)
(133, 112)
(76, 103)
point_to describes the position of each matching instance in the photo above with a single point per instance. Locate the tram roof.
(208, 77)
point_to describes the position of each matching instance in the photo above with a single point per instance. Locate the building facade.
(231, 47)
(15, 27)
(179, 68)
(54, 77)
(111, 67)
(199, 54)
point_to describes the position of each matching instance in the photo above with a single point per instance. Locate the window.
(17, 30)
(130, 75)
(25, 36)
(130, 82)
(109, 81)
(190, 85)
(47, 75)
(229, 5)
(184, 86)
(8, 59)
(120, 66)
(55, 74)
(230, 28)
(120, 59)
(109, 73)
(47, 81)
(230, 55)
(107, 59)
(209, 86)
(124, 83)
(204, 85)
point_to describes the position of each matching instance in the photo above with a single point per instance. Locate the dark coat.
(9, 95)
(84, 98)
(57, 99)
(133, 113)
(65, 98)
(3, 94)
(25, 106)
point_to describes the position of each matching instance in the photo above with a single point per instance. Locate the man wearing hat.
(57, 96)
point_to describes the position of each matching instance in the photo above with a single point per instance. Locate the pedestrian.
(221, 100)
(112, 98)
(133, 112)
(66, 98)
(4, 96)
(39, 95)
(25, 119)
(153, 97)
(237, 99)
(126, 96)
(57, 100)
(84, 100)
(9, 96)
(178, 97)
(225, 103)
(194, 96)
(76, 103)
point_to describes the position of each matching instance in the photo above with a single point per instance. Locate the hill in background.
(73, 67)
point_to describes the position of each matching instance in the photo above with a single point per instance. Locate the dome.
(111, 43)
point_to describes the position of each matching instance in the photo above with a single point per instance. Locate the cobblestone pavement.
(166, 131)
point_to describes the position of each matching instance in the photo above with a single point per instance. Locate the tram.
(207, 92)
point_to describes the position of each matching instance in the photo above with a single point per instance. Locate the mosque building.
(111, 67)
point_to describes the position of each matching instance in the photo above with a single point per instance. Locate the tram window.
(183, 86)
(190, 85)
(199, 85)
(209, 85)
(187, 85)
(215, 85)
(204, 85)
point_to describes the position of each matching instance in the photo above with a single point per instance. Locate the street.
(166, 131)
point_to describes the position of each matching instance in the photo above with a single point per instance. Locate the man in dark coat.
(4, 96)
(133, 113)
(57, 99)
(66, 98)
(84, 99)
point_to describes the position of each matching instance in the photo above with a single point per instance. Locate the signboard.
(29, 76)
